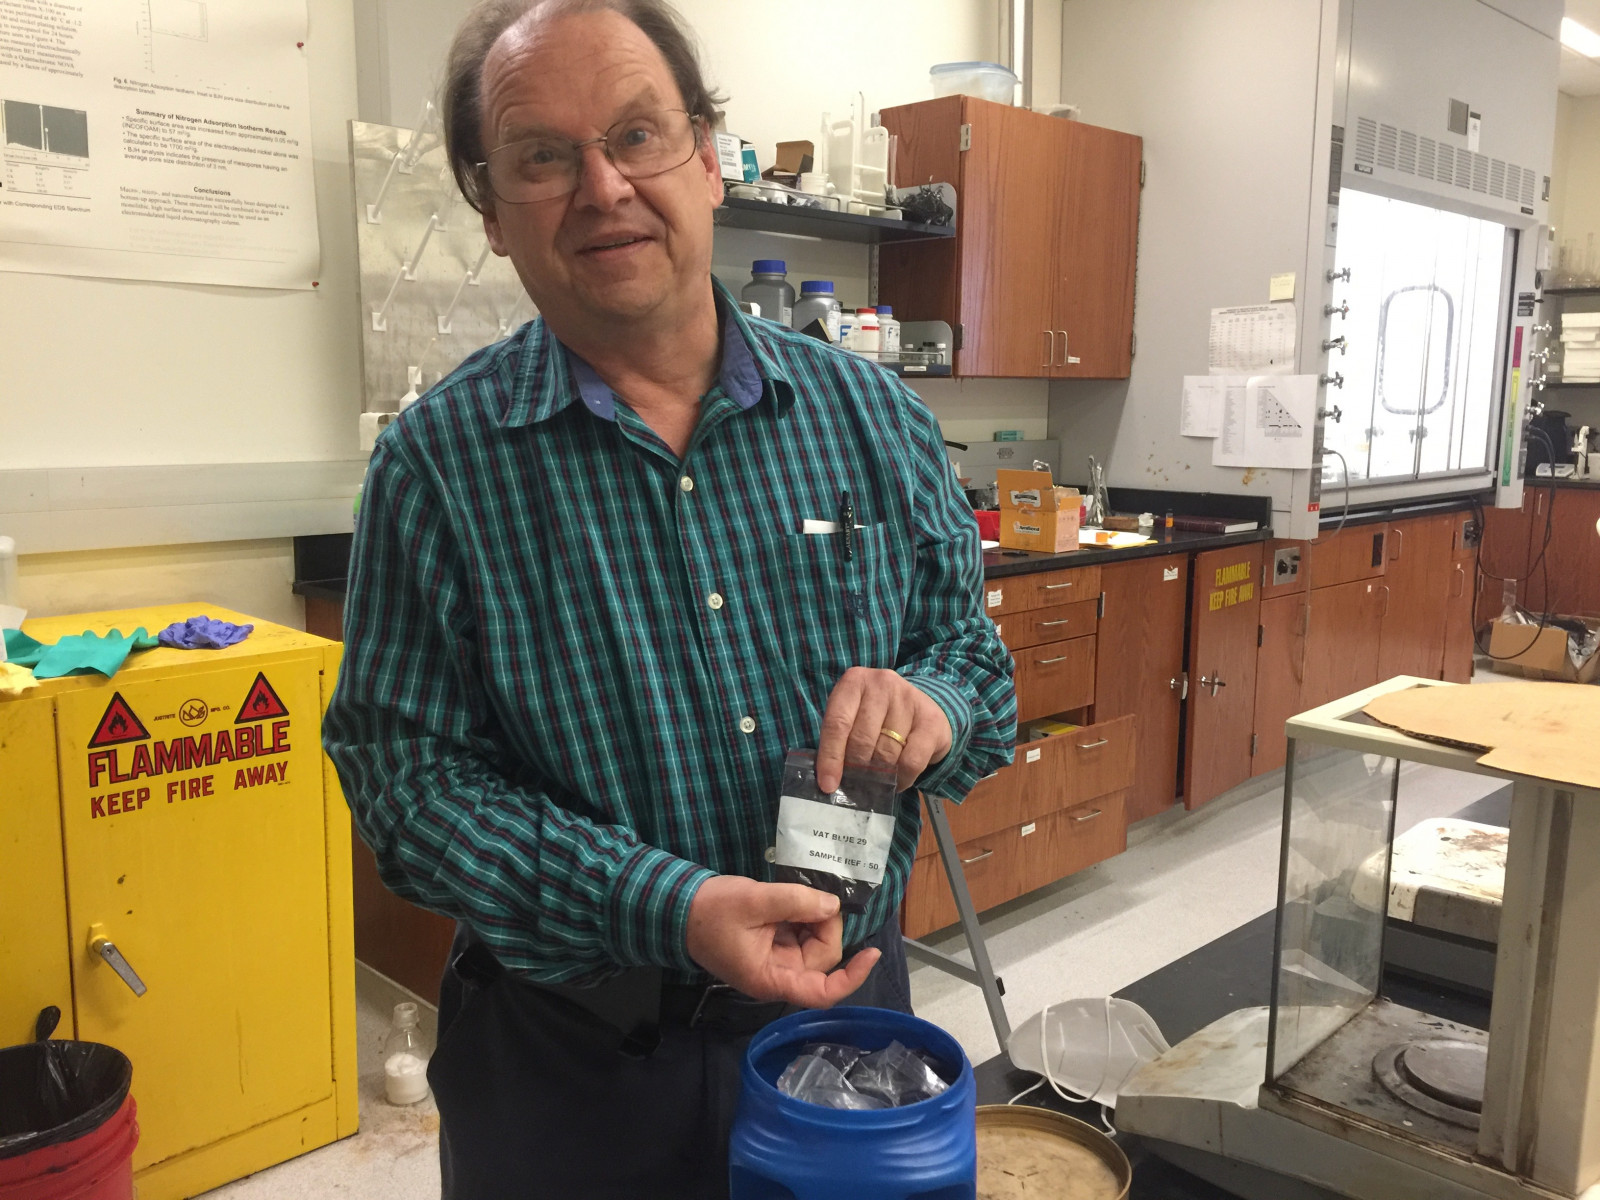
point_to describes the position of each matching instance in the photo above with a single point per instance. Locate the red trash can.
(68, 1126)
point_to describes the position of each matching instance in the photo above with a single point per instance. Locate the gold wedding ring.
(890, 733)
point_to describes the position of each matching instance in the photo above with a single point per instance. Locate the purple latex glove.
(202, 633)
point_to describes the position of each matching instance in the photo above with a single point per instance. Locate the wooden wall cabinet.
(1139, 669)
(1039, 281)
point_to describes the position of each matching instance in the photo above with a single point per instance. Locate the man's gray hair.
(461, 106)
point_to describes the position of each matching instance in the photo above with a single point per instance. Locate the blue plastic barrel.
(787, 1149)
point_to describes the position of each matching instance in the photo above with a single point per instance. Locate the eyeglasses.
(545, 168)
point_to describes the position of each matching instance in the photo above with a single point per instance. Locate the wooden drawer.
(1055, 677)
(1068, 841)
(1018, 593)
(991, 805)
(1075, 767)
(990, 866)
(1054, 624)
(1354, 553)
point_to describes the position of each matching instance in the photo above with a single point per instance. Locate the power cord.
(1345, 515)
(1540, 564)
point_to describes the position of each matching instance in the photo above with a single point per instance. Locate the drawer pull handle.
(1068, 621)
(1092, 745)
(1052, 587)
(1089, 816)
(1044, 662)
(977, 857)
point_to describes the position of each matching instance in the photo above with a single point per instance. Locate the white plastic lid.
(951, 67)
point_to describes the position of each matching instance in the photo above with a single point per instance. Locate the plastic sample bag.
(835, 841)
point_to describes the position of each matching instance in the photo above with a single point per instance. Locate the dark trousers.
(539, 1097)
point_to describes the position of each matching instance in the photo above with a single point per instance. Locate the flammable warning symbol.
(261, 703)
(118, 725)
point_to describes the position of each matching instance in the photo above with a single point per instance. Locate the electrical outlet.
(1285, 565)
(1471, 534)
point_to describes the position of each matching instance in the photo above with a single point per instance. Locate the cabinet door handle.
(1399, 544)
(1051, 587)
(1089, 816)
(1044, 662)
(107, 950)
(1180, 684)
(1065, 621)
(1049, 348)
(1461, 579)
(976, 858)
(1066, 359)
(1211, 683)
(1384, 588)
(1093, 745)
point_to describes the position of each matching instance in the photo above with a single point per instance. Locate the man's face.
(615, 250)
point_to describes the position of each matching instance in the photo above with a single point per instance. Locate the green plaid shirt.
(573, 663)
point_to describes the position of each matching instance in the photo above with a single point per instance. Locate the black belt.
(637, 1003)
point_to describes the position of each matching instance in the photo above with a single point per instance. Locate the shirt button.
(714, 600)
(747, 724)
(686, 484)
(772, 854)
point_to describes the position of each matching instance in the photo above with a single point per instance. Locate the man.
(586, 622)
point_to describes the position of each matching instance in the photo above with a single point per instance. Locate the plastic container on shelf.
(888, 331)
(847, 328)
(817, 303)
(770, 288)
(985, 80)
(866, 336)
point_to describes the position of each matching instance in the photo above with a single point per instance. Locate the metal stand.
(981, 972)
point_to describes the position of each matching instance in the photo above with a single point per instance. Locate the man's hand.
(774, 941)
(865, 703)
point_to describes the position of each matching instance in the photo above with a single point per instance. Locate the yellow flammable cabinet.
(184, 812)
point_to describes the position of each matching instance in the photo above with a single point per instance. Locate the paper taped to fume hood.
(1267, 421)
(1253, 339)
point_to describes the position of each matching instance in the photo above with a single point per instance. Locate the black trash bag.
(54, 1091)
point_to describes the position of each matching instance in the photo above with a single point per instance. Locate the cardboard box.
(1518, 650)
(1035, 514)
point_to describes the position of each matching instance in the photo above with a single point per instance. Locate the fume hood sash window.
(1423, 338)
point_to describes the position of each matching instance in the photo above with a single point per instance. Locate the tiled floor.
(1186, 878)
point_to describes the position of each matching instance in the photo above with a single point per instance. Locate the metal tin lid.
(1043, 1155)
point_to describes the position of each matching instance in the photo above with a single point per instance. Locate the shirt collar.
(550, 377)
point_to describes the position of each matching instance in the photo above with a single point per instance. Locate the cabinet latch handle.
(1180, 684)
(1051, 587)
(1045, 662)
(1052, 624)
(1092, 745)
(107, 949)
(977, 857)
(1212, 683)
(1089, 816)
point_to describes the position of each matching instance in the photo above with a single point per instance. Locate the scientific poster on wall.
(157, 139)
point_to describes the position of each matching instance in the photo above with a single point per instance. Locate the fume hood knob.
(1331, 381)
(1336, 276)
(1333, 414)
(1545, 328)
(1343, 310)
(1334, 344)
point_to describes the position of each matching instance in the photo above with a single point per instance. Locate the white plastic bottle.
(888, 332)
(866, 339)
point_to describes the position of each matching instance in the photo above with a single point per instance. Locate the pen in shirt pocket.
(847, 525)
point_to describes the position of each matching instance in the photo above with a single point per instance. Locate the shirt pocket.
(845, 612)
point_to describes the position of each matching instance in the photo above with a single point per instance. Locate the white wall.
(1223, 209)
(119, 373)
(1575, 214)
